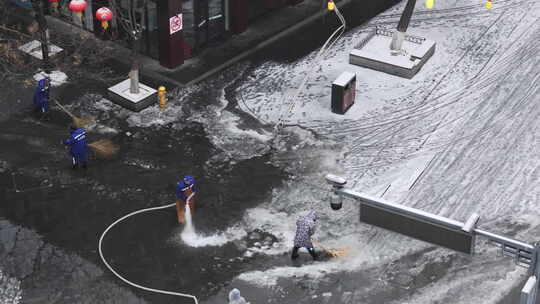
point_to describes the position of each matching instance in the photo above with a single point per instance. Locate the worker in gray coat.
(236, 298)
(305, 228)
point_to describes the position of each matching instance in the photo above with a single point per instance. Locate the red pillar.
(271, 4)
(239, 15)
(171, 45)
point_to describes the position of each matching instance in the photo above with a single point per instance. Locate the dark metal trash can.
(343, 92)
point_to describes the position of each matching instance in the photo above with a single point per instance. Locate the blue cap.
(189, 179)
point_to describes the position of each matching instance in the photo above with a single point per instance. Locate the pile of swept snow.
(10, 290)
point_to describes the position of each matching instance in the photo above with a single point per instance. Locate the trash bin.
(343, 92)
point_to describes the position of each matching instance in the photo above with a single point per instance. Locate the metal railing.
(366, 39)
(523, 253)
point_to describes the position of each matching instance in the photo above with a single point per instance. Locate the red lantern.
(77, 6)
(104, 14)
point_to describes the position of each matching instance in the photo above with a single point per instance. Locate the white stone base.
(376, 54)
(120, 94)
(34, 49)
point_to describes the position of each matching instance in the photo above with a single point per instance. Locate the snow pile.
(10, 290)
(57, 77)
(174, 111)
(396, 129)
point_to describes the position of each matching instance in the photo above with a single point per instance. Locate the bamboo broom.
(77, 122)
(333, 252)
(104, 149)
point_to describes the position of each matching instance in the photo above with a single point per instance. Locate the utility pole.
(42, 22)
(399, 35)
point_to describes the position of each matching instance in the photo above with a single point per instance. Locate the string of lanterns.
(103, 14)
(429, 4)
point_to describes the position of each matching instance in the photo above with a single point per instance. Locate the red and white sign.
(175, 24)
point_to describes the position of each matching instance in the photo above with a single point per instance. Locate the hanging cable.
(292, 99)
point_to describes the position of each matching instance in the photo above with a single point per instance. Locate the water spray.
(189, 230)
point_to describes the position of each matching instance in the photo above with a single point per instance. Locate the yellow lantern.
(331, 5)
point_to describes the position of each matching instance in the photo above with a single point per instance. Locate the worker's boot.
(314, 255)
(294, 254)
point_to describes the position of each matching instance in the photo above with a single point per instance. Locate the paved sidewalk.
(304, 25)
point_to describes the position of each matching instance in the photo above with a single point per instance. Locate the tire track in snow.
(481, 144)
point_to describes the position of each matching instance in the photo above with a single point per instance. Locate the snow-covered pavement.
(460, 137)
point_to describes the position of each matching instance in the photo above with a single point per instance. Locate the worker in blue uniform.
(185, 192)
(41, 96)
(77, 147)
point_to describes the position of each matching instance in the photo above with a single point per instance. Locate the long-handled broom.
(77, 122)
(332, 252)
(104, 148)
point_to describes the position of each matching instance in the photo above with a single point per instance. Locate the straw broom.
(333, 252)
(104, 149)
(77, 122)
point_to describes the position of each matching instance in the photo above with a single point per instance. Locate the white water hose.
(172, 293)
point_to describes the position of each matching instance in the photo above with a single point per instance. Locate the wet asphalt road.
(70, 209)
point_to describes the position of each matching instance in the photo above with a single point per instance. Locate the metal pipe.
(407, 211)
(37, 5)
(406, 16)
(502, 239)
(430, 217)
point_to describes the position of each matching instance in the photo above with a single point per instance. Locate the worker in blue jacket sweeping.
(77, 147)
(185, 192)
(41, 96)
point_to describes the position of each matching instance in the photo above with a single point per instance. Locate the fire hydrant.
(162, 96)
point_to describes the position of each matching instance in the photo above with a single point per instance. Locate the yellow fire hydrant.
(162, 96)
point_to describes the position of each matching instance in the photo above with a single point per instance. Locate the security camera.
(336, 181)
(336, 201)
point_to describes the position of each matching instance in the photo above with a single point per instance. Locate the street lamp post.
(37, 5)
(399, 35)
